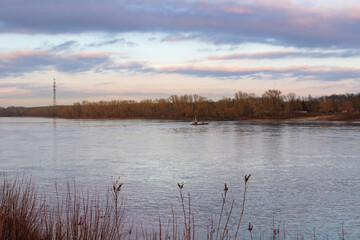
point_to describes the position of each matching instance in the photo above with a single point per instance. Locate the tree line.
(272, 104)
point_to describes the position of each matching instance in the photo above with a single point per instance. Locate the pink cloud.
(18, 54)
(287, 54)
(175, 38)
(250, 55)
(231, 69)
(320, 72)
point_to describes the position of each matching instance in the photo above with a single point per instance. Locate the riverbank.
(304, 118)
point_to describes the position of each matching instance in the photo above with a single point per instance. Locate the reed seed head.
(181, 185)
(226, 188)
(247, 178)
(250, 228)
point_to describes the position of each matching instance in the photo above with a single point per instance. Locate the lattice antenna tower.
(54, 93)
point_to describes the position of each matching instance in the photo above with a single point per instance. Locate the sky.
(150, 49)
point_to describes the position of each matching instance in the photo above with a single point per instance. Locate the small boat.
(196, 122)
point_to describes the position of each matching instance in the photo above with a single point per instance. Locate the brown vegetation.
(25, 215)
(271, 105)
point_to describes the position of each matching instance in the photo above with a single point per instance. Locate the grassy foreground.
(26, 215)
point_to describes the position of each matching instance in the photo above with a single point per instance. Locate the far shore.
(329, 118)
(271, 106)
(320, 118)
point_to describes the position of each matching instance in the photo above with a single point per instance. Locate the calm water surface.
(305, 175)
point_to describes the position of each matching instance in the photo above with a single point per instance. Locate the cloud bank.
(145, 47)
(276, 22)
(317, 73)
(287, 54)
(21, 62)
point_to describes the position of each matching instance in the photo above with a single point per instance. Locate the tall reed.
(25, 215)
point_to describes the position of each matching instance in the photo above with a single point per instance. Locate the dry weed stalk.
(226, 188)
(118, 220)
(250, 228)
(246, 179)
(187, 219)
(342, 235)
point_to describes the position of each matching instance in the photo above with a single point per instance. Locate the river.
(304, 175)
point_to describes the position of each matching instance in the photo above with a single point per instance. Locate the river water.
(305, 176)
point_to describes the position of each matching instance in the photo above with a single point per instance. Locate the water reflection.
(54, 142)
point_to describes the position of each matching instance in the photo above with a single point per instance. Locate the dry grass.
(24, 215)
